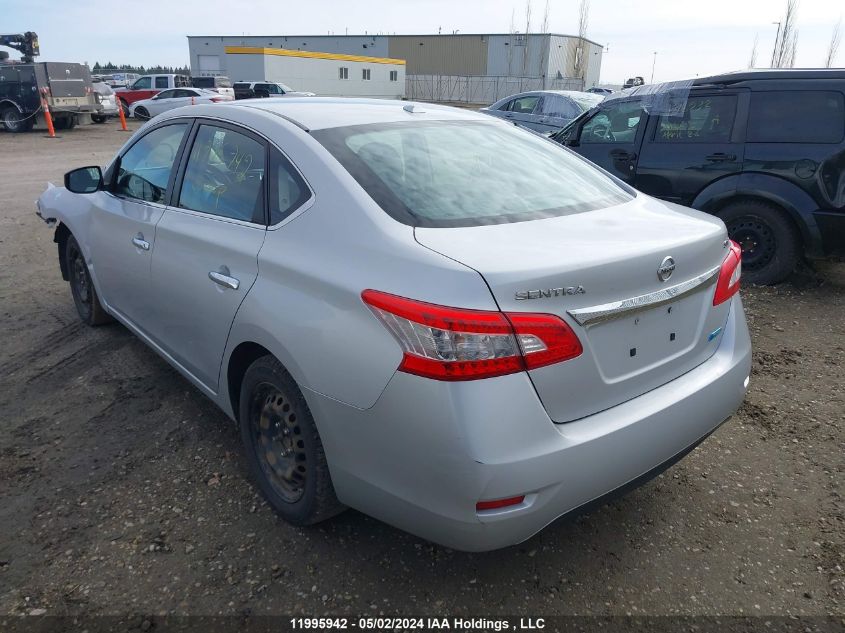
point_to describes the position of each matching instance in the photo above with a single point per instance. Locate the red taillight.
(499, 503)
(728, 284)
(216, 99)
(456, 344)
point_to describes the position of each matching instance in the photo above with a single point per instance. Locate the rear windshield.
(442, 174)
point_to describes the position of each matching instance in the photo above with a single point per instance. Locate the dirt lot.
(123, 491)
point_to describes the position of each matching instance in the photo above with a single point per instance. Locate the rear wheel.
(85, 296)
(141, 113)
(770, 243)
(98, 118)
(283, 447)
(15, 122)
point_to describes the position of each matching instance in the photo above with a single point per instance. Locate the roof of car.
(771, 73)
(314, 113)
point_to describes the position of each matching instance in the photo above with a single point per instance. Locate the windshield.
(468, 173)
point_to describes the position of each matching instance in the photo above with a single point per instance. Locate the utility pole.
(653, 64)
(775, 47)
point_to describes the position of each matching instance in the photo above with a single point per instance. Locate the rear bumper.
(427, 451)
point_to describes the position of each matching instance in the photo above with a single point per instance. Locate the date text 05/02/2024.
(420, 624)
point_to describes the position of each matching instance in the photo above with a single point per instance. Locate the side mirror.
(84, 180)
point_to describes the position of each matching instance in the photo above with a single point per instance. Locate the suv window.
(705, 120)
(145, 168)
(522, 105)
(144, 83)
(617, 123)
(162, 82)
(288, 191)
(799, 116)
(225, 175)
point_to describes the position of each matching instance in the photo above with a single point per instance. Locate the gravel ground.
(123, 490)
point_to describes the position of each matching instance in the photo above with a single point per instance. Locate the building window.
(394, 75)
(365, 74)
(343, 73)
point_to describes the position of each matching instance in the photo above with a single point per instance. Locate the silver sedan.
(442, 320)
(174, 98)
(544, 110)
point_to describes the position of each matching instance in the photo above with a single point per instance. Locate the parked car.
(106, 98)
(148, 86)
(122, 80)
(220, 85)
(764, 150)
(497, 356)
(175, 98)
(65, 86)
(263, 89)
(543, 110)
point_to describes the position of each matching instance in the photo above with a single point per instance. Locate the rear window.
(799, 116)
(203, 82)
(447, 174)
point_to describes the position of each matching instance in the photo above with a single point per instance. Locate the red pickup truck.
(148, 86)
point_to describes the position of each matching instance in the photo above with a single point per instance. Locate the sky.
(691, 37)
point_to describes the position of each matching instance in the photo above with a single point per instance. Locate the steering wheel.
(602, 131)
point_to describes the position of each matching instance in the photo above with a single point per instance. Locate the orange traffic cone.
(51, 131)
(122, 117)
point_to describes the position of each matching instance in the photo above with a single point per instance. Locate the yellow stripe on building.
(284, 52)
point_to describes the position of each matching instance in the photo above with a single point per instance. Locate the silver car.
(447, 322)
(544, 110)
(172, 99)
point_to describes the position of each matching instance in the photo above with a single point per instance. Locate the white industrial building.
(477, 68)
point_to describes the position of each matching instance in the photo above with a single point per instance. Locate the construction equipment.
(25, 43)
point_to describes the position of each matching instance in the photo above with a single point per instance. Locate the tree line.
(141, 70)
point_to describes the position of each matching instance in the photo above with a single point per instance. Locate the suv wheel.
(14, 121)
(770, 243)
(283, 447)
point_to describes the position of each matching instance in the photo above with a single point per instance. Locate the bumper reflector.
(499, 503)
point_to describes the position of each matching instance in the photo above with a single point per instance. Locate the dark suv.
(764, 150)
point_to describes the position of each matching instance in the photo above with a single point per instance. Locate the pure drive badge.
(545, 293)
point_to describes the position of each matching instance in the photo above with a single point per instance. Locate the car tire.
(283, 447)
(16, 122)
(98, 118)
(85, 296)
(141, 114)
(771, 245)
(60, 123)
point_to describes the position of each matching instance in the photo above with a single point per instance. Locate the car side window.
(524, 105)
(288, 191)
(799, 116)
(705, 120)
(166, 94)
(225, 175)
(144, 83)
(161, 82)
(144, 170)
(177, 94)
(616, 123)
(557, 106)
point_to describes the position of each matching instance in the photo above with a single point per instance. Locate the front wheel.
(84, 294)
(770, 242)
(141, 113)
(283, 447)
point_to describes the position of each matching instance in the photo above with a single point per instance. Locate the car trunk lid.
(598, 271)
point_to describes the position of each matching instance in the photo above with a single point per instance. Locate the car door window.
(162, 82)
(144, 83)
(557, 106)
(166, 94)
(616, 123)
(705, 120)
(144, 170)
(524, 105)
(288, 190)
(179, 94)
(225, 175)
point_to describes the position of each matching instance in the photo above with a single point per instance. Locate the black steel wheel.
(283, 446)
(769, 240)
(15, 122)
(84, 294)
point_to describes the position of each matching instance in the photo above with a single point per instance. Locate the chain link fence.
(480, 90)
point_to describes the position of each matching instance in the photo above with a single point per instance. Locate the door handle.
(224, 280)
(721, 157)
(621, 154)
(140, 242)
